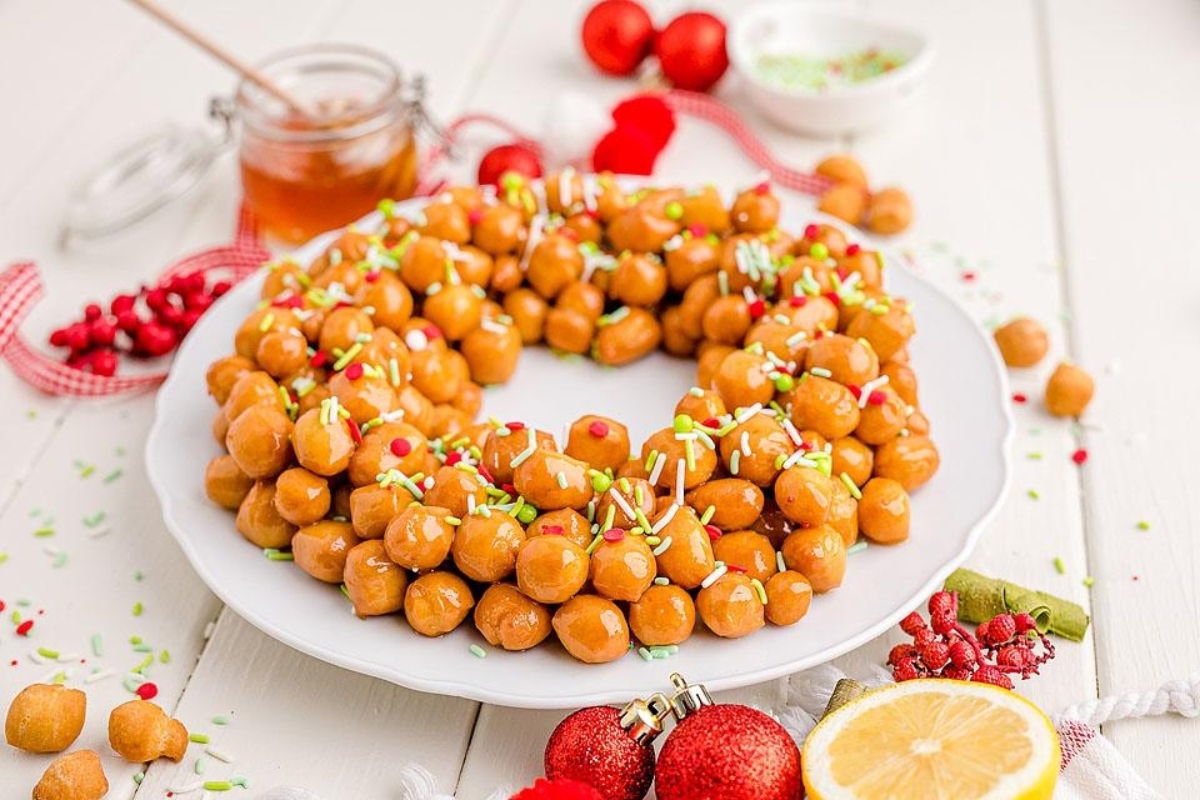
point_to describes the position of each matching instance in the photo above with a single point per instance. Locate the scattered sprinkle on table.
(1033, 494)
(1059, 566)
(1089, 581)
(112, 476)
(1143, 525)
(1080, 456)
(478, 651)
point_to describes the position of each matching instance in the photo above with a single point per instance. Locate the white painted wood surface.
(1052, 156)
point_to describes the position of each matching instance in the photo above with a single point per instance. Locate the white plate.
(963, 391)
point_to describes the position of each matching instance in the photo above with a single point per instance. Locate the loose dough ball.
(1022, 342)
(1069, 391)
(75, 776)
(139, 732)
(45, 718)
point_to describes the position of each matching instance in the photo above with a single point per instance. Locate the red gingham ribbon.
(21, 288)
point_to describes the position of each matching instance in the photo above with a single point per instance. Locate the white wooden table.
(1054, 156)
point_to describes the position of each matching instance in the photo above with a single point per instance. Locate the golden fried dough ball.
(45, 718)
(139, 732)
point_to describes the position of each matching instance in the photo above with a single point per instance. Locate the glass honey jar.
(352, 144)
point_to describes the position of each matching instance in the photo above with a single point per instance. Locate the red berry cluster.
(148, 324)
(1007, 644)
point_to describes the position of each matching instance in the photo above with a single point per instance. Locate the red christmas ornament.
(515, 157)
(617, 35)
(728, 751)
(691, 51)
(561, 789)
(650, 114)
(597, 747)
(625, 150)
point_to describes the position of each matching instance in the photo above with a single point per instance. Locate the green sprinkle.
(527, 514)
(220, 719)
(44, 531)
(707, 516)
(198, 738)
(857, 547)
(1036, 455)
(217, 786)
(97, 646)
(1033, 494)
(3, 557)
(478, 651)
(95, 519)
(661, 581)
(112, 476)
(46, 652)
(760, 590)
(596, 542)
(851, 487)
(348, 356)
(201, 765)
(131, 685)
(653, 541)
(275, 555)
(87, 471)
(345, 592)
(1089, 581)
(141, 668)
(164, 657)
(143, 648)
(784, 383)
(1143, 525)
(138, 777)
(684, 423)
(137, 608)
(135, 640)
(1059, 566)
(651, 460)
(453, 521)
(696, 391)
(673, 210)
(819, 251)
(266, 322)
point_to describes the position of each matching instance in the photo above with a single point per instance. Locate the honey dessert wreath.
(347, 412)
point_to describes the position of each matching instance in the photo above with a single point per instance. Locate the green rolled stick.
(980, 598)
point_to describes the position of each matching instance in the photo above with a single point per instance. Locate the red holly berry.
(78, 337)
(102, 362)
(935, 655)
(122, 303)
(92, 312)
(912, 623)
(103, 332)
(1001, 628)
(155, 339)
(989, 674)
(128, 321)
(221, 287)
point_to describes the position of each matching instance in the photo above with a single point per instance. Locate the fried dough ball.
(225, 483)
(736, 503)
(843, 512)
(139, 732)
(437, 603)
(259, 520)
(564, 522)
(846, 201)
(883, 511)
(553, 480)
(621, 341)
(420, 537)
(842, 168)
(592, 629)
(485, 548)
(551, 569)
(323, 448)
(664, 615)
(75, 776)
(45, 718)
(260, 441)
(882, 418)
(789, 594)
(889, 211)
(749, 550)
(223, 373)
(1069, 391)
(506, 446)
(600, 441)
(804, 495)
(817, 553)
(509, 619)
(320, 549)
(756, 449)
(301, 497)
(824, 406)
(624, 569)
(688, 558)
(852, 457)
(848, 361)
(453, 489)
(731, 607)
(673, 454)
(374, 583)
(741, 380)
(909, 460)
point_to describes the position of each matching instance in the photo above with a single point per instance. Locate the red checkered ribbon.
(21, 288)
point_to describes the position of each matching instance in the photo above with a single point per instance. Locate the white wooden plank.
(296, 721)
(111, 563)
(1126, 132)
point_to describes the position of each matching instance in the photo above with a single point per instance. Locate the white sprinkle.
(98, 532)
(656, 472)
(798, 457)
(67, 658)
(821, 372)
(792, 433)
(746, 443)
(187, 788)
(219, 755)
(36, 657)
(686, 437)
(470, 504)
(734, 461)
(101, 675)
(665, 519)
(50, 676)
(714, 576)
(416, 340)
(869, 387)
(780, 564)
(536, 226)
(679, 470)
(621, 504)
(491, 326)
(663, 545)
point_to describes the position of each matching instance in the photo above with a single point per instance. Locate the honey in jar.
(353, 144)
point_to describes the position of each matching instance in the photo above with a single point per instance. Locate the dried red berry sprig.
(148, 324)
(1007, 644)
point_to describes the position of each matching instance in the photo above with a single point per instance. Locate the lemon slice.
(933, 740)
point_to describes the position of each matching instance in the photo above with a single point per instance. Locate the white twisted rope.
(1173, 697)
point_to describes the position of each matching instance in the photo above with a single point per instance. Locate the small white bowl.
(784, 28)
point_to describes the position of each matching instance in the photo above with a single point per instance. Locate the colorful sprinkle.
(1143, 525)
(1080, 456)
(478, 651)
(1059, 566)
(146, 691)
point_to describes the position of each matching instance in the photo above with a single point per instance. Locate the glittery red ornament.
(729, 752)
(691, 51)
(561, 789)
(591, 746)
(514, 157)
(617, 35)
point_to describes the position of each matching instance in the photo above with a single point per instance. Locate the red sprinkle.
(552, 530)
(354, 371)
(833, 298)
(475, 216)
(614, 535)
(797, 301)
(855, 390)
(969, 276)
(147, 691)
(371, 276)
(2, 606)
(757, 308)
(319, 358)
(355, 433)
(697, 230)
(842, 273)
(811, 231)
(596, 428)
(853, 250)
(487, 476)
(736, 568)
(877, 397)
(1080, 456)
(431, 332)
(713, 532)
(762, 188)
(25, 627)
(711, 422)
(515, 426)
(453, 458)
(1019, 397)
(401, 447)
